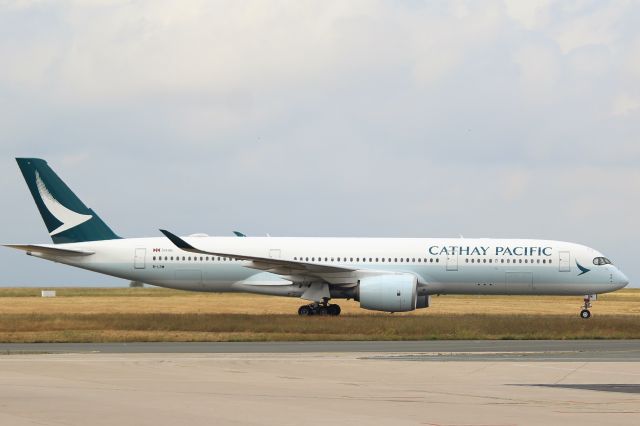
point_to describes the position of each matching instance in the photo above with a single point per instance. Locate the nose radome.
(621, 279)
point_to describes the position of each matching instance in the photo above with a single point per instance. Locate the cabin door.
(139, 258)
(564, 261)
(452, 262)
(274, 253)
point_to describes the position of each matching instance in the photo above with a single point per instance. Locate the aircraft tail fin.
(66, 217)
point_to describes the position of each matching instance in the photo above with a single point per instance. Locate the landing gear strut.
(585, 313)
(319, 309)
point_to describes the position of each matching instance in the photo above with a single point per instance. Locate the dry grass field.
(152, 314)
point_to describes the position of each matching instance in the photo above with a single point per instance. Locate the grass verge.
(23, 328)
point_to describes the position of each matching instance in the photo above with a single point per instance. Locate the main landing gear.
(585, 313)
(319, 309)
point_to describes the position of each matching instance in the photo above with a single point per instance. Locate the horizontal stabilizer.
(49, 250)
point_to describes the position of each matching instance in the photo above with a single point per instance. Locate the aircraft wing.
(289, 269)
(49, 250)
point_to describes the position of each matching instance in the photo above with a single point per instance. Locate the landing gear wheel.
(317, 309)
(304, 310)
(334, 310)
(585, 313)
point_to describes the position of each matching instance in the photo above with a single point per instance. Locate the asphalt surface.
(287, 389)
(456, 350)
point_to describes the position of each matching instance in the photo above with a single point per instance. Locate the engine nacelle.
(390, 293)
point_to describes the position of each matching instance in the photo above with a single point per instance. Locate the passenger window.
(437, 260)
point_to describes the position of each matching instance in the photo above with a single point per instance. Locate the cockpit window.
(601, 261)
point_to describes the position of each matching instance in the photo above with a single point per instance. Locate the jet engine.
(391, 293)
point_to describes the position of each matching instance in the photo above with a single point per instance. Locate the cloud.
(540, 70)
(585, 25)
(530, 15)
(625, 104)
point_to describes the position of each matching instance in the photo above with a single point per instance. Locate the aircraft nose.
(621, 279)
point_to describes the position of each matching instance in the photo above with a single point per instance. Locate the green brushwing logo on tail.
(66, 217)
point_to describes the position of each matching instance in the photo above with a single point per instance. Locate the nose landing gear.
(585, 313)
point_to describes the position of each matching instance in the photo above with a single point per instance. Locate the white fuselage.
(442, 266)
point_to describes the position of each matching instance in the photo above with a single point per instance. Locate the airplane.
(382, 274)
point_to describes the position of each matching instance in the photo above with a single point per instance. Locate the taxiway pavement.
(463, 350)
(319, 383)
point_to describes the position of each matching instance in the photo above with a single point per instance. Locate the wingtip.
(177, 241)
(169, 235)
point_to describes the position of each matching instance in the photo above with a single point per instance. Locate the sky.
(325, 118)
